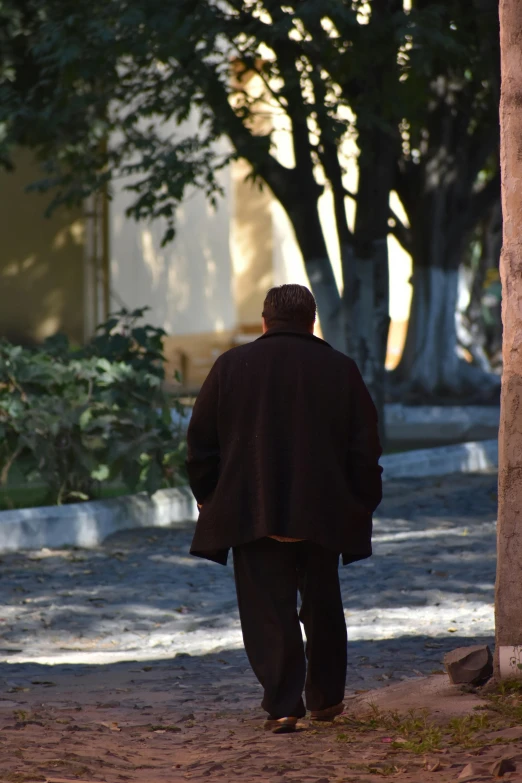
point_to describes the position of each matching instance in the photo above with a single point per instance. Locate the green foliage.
(506, 700)
(81, 419)
(73, 74)
(416, 731)
(158, 96)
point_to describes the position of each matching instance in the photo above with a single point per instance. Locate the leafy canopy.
(142, 90)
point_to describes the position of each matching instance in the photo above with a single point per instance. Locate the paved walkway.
(141, 620)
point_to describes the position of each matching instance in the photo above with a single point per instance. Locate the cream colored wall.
(41, 261)
(188, 284)
(251, 246)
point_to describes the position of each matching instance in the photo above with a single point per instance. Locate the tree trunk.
(366, 317)
(481, 331)
(508, 652)
(309, 235)
(430, 367)
(365, 266)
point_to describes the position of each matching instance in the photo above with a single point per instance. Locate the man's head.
(289, 305)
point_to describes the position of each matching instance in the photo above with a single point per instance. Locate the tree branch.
(401, 232)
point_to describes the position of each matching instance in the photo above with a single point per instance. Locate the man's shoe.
(281, 725)
(329, 713)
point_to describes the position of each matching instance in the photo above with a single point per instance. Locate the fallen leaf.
(113, 726)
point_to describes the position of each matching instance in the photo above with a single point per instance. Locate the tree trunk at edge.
(508, 600)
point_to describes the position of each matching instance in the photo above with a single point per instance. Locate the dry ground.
(158, 723)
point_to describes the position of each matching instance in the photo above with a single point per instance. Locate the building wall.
(41, 261)
(251, 246)
(188, 284)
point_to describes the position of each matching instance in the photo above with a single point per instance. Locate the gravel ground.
(135, 633)
(140, 596)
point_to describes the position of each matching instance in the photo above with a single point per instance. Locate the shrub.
(82, 418)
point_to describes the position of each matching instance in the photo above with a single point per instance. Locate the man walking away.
(283, 454)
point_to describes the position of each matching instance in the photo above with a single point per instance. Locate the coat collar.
(295, 331)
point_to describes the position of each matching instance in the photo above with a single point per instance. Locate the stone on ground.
(503, 765)
(469, 665)
(472, 772)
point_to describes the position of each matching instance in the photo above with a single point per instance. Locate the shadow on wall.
(41, 262)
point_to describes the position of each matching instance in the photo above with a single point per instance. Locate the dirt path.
(175, 723)
(96, 683)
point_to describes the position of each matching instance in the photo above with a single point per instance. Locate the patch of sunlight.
(364, 13)
(28, 262)
(180, 560)
(75, 232)
(154, 261)
(11, 270)
(48, 327)
(435, 533)
(157, 647)
(180, 284)
(465, 618)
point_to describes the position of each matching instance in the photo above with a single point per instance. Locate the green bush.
(79, 419)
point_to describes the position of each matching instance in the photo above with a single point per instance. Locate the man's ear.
(265, 327)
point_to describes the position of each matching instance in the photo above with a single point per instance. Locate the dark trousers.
(268, 575)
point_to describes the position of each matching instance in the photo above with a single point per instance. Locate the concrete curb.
(436, 425)
(460, 458)
(88, 524)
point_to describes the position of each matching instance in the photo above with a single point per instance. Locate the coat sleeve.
(364, 449)
(202, 439)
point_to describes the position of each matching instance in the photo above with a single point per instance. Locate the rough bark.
(509, 569)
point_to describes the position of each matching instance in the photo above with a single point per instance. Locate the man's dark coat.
(283, 441)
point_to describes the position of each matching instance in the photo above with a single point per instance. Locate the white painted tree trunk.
(430, 365)
(366, 317)
(508, 602)
(328, 301)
